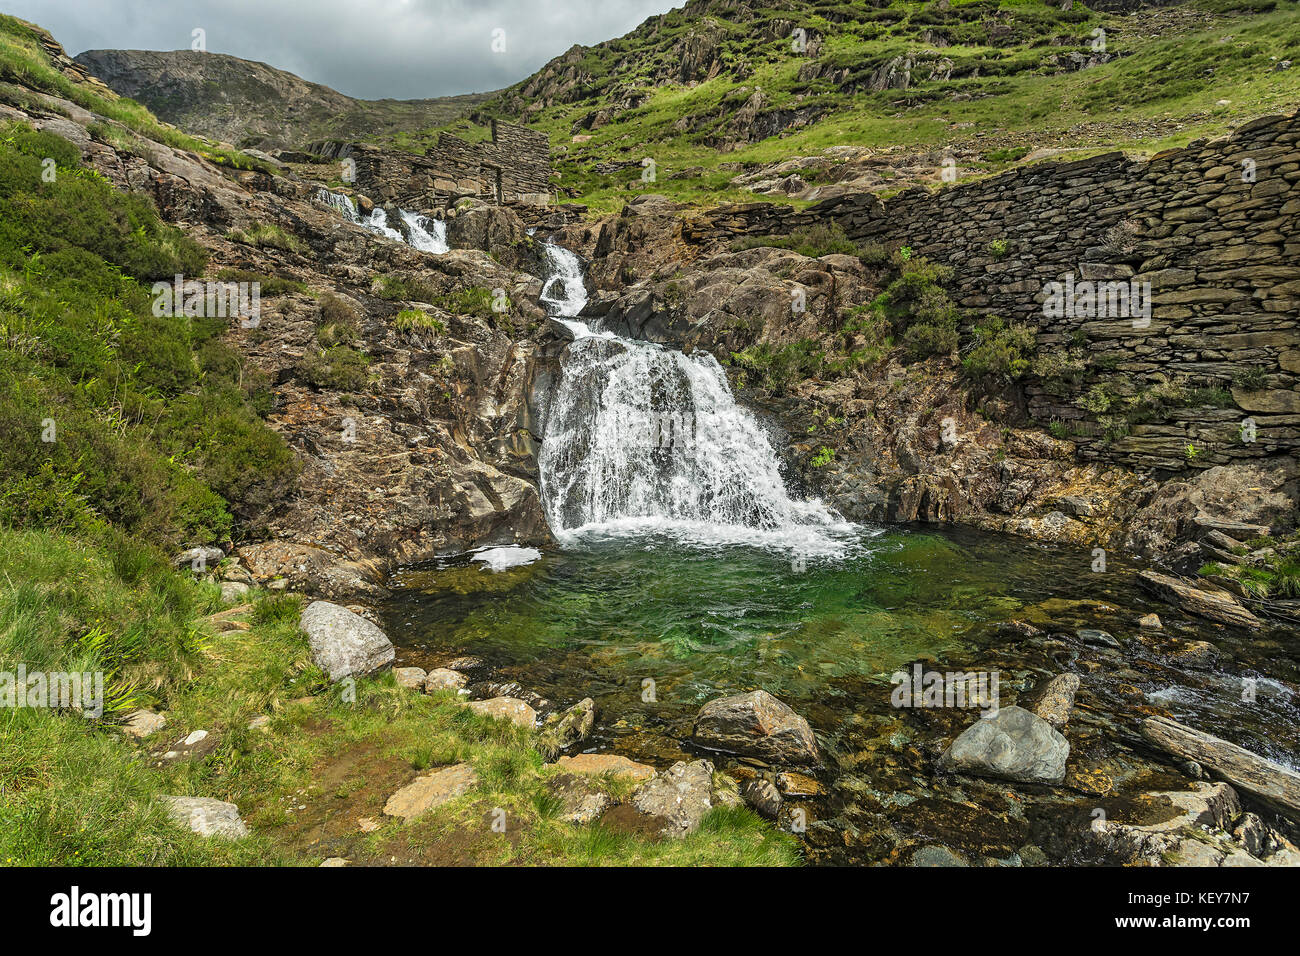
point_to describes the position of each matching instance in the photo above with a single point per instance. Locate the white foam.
(501, 559)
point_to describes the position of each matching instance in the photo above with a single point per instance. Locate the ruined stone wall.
(514, 165)
(1215, 230)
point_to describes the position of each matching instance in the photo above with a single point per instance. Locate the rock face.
(1013, 745)
(756, 725)
(207, 817)
(431, 790)
(681, 796)
(343, 643)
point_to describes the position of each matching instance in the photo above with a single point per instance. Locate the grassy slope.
(1164, 89)
(157, 438)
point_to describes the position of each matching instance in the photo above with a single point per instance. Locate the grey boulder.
(1012, 745)
(343, 643)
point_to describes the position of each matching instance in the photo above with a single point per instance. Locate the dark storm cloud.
(367, 48)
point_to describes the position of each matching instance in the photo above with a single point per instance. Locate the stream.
(686, 570)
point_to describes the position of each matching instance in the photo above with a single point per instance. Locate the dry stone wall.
(1214, 229)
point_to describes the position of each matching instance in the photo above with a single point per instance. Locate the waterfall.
(643, 438)
(423, 233)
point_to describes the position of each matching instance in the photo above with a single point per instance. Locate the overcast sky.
(368, 48)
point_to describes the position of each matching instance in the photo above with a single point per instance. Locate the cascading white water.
(641, 438)
(425, 234)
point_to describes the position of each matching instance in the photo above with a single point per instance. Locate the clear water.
(686, 571)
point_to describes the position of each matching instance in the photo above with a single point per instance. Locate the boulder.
(431, 790)
(344, 643)
(410, 677)
(232, 592)
(763, 796)
(506, 708)
(1012, 745)
(580, 801)
(680, 796)
(443, 678)
(1212, 605)
(1054, 701)
(204, 558)
(207, 817)
(572, 727)
(755, 725)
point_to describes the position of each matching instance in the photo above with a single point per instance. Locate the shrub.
(998, 352)
(338, 367)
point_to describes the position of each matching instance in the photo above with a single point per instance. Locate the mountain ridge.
(250, 103)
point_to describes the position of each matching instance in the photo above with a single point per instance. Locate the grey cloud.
(367, 48)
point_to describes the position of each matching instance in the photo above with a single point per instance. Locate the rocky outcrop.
(1213, 605)
(344, 644)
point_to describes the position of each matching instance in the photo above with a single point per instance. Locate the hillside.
(876, 95)
(252, 104)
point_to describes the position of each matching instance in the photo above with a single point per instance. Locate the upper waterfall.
(640, 437)
(423, 233)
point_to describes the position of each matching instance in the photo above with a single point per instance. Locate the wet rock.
(474, 668)
(1018, 630)
(756, 725)
(443, 678)
(793, 784)
(1199, 655)
(206, 816)
(343, 643)
(1264, 779)
(937, 856)
(506, 708)
(410, 677)
(1215, 606)
(485, 690)
(681, 796)
(1194, 835)
(572, 727)
(1012, 745)
(1055, 700)
(1031, 855)
(763, 796)
(1096, 638)
(431, 790)
(612, 764)
(142, 723)
(580, 801)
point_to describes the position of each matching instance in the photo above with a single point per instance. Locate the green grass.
(1159, 91)
(74, 791)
